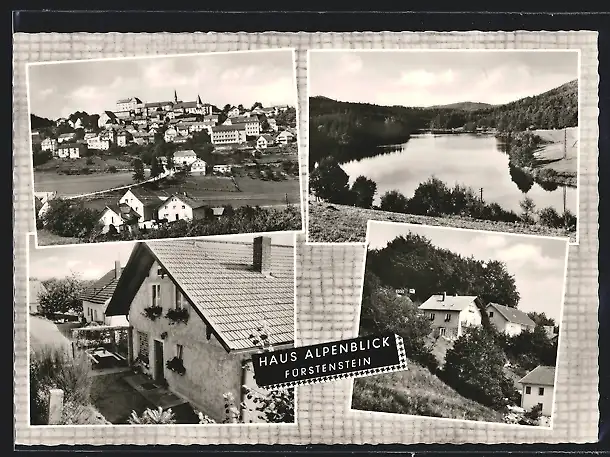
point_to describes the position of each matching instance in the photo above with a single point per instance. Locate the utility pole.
(481, 194)
(565, 142)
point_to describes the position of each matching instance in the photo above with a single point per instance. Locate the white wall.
(528, 401)
(173, 209)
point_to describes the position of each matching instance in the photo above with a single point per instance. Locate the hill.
(416, 391)
(38, 122)
(464, 106)
(350, 131)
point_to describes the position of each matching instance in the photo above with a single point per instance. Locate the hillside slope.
(338, 223)
(416, 391)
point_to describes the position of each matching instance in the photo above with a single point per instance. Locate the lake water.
(468, 159)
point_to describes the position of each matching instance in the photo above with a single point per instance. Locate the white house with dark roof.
(144, 202)
(229, 134)
(450, 315)
(107, 118)
(264, 141)
(36, 289)
(181, 208)
(97, 296)
(224, 291)
(509, 320)
(184, 158)
(233, 112)
(284, 137)
(538, 387)
(199, 167)
(118, 216)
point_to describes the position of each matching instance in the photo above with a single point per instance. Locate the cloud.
(350, 63)
(44, 93)
(425, 78)
(86, 93)
(528, 256)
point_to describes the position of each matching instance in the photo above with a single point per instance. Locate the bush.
(70, 218)
(153, 417)
(550, 217)
(89, 161)
(394, 201)
(54, 368)
(112, 169)
(432, 198)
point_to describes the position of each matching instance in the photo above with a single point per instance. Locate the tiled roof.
(450, 303)
(267, 137)
(102, 289)
(542, 375)
(146, 195)
(153, 104)
(218, 279)
(186, 105)
(513, 315)
(193, 203)
(35, 289)
(186, 153)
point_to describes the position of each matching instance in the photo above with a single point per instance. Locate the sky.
(437, 77)
(92, 261)
(538, 264)
(59, 89)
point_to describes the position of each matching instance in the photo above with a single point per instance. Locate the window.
(491, 314)
(180, 299)
(540, 390)
(143, 347)
(443, 331)
(432, 316)
(156, 295)
(528, 390)
(447, 317)
(179, 350)
(183, 207)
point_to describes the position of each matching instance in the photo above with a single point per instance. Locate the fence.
(105, 346)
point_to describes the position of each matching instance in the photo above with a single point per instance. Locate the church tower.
(175, 96)
(199, 103)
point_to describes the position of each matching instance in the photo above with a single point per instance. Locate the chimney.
(117, 269)
(261, 259)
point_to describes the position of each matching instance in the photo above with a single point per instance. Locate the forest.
(349, 131)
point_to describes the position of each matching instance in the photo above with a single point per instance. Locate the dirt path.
(551, 155)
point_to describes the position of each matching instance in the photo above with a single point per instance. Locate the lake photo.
(405, 166)
(408, 136)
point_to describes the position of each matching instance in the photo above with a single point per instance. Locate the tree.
(541, 318)
(330, 182)
(394, 201)
(528, 208)
(226, 108)
(156, 168)
(61, 296)
(474, 367)
(70, 218)
(256, 105)
(364, 191)
(138, 170)
(432, 198)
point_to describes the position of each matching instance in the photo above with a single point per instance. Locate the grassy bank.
(416, 391)
(339, 223)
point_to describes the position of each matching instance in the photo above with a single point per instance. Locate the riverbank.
(333, 223)
(551, 155)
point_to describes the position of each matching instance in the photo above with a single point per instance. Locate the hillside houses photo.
(480, 315)
(161, 332)
(208, 142)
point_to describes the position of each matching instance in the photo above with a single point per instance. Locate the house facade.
(180, 207)
(143, 202)
(98, 143)
(198, 167)
(184, 158)
(538, 387)
(36, 289)
(118, 216)
(97, 296)
(284, 138)
(128, 105)
(49, 144)
(233, 112)
(223, 169)
(509, 320)
(228, 134)
(450, 315)
(70, 150)
(251, 124)
(256, 282)
(107, 118)
(264, 141)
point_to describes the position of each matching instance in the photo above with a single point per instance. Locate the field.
(72, 185)
(416, 391)
(96, 163)
(551, 154)
(338, 223)
(46, 238)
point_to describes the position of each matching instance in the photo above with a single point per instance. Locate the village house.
(272, 124)
(143, 138)
(252, 124)
(450, 315)
(60, 121)
(123, 138)
(35, 289)
(193, 126)
(228, 134)
(128, 106)
(222, 169)
(97, 296)
(198, 167)
(264, 141)
(144, 202)
(509, 320)
(170, 135)
(211, 120)
(66, 137)
(70, 150)
(205, 339)
(284, 137)
(119, 216)
(181, 207)
(49, 144)
(98, 142)
(76, 123)
(233, 112)
(106, 119)
(538, 388)
(184, 158)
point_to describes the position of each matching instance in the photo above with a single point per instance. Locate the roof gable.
(513, 315)
(542, 375)
(102, 289)
(218, 279)
(448, 303)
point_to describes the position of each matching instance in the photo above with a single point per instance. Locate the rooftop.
(513, 314)
(102, 289)
(225, 128)
(542, 375)
(448, 303)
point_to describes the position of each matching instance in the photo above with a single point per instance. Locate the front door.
(159, 363)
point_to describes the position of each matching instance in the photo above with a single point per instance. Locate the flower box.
(176, 316)
(153, 312)
(176, 365)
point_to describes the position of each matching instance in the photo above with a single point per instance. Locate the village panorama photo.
(164, 146)
(159, 332)
(479, 139)
(480, 314)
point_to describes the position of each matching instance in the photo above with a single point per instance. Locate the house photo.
(479, 313)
